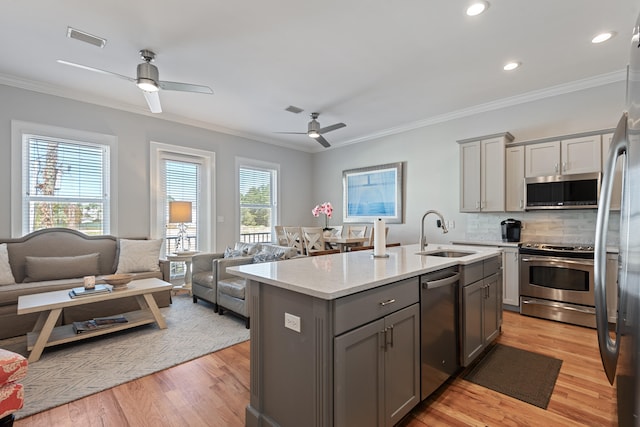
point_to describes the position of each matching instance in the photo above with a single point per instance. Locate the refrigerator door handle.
(609, 348)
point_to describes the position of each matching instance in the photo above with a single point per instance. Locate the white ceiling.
(380, 66)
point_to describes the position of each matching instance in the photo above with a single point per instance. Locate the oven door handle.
(609, 348)
(559, 261)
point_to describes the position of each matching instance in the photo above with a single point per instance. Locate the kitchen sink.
(447, 254)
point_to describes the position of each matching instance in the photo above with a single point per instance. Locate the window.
(180, 183)
(64, 180)
(258, 207)
(184, 175)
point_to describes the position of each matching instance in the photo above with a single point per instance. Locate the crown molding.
(575, 86)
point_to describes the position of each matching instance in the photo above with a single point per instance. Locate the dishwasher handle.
(433, 284)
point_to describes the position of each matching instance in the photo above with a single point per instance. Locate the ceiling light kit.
(512, 65)
(603, 37)
(315, 131)
(147, 79)
(477, 8)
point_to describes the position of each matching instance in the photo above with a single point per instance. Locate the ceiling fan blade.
(323, 141)
(332, 127)
(185, 87)
(153, 99)
(293, 133)
(97, 70)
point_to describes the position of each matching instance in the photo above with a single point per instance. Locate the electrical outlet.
(292, 322)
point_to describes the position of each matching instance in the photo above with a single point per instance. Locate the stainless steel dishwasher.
(438, 328)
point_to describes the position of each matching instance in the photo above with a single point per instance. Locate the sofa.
(58, 259)
(211, 282)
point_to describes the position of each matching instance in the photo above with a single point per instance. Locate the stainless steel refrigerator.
(620, 344)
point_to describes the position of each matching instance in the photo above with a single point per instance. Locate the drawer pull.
(387, 302)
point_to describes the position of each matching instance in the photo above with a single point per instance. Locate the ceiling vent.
(72, 33)
(293, 109)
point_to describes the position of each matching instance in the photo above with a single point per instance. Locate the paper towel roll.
(379, 238)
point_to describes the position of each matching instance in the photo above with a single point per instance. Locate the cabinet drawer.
(361, 308)
(471, 273)
(492, 265)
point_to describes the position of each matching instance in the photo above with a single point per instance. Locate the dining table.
(344, 243)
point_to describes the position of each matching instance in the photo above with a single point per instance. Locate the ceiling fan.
(147, 79)
(315, 131)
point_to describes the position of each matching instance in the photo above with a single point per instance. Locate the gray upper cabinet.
(569, 156)
(514, 186)
(482, 173)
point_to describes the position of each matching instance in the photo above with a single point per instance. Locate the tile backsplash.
(558, 226)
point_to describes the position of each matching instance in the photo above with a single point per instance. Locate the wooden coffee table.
(50, 305)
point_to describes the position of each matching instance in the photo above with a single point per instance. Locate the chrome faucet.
(423, 239)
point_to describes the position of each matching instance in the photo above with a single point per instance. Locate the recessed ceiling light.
(477, 8)
(603, 37)
(509, 66)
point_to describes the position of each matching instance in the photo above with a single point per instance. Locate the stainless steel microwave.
(577, 191)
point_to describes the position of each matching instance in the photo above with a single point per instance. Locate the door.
(492, 307)
(514, 182)
(492, 175)
(581, 155)
(470, 177)
(402, 364)
(358, 376)
(473, 341)
(542, 159)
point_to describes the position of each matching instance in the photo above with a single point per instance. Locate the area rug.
(518, 373)
(72, 371)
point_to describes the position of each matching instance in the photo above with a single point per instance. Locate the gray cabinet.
(510, 276)
(481, 311)
(377, 370)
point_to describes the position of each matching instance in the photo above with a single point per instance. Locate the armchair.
(13, 368)
(203, 283)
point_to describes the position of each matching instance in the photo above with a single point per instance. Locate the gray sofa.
(31, 259)
(211, 282)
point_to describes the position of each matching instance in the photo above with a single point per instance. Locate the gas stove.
(569, 250)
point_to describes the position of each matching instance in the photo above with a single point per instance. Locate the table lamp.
(180, 213)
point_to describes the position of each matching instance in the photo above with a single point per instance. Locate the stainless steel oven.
(557, 283)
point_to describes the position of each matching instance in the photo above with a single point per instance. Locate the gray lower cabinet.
(481, 311)
(377, 370)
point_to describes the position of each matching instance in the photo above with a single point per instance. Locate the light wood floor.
(214, 390)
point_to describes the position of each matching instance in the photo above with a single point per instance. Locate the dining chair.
(356, 231)
(281, 237)
(314, 241)
(294, 238)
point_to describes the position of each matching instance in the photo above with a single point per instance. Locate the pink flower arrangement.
(326, 209)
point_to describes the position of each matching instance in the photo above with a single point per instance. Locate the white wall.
(432, 162)
(134, 132)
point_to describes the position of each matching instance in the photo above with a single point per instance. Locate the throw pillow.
(138, 255)
(264, 256)
(6, 275)
(53, 267)
(232, 253)
(247, 248)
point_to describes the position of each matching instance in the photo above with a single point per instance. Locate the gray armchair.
(203, 283)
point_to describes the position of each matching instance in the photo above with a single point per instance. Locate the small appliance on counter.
(511, 230)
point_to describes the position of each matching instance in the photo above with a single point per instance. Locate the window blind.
(257, 207)
(66, 184)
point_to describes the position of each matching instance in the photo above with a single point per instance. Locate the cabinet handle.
(478, 204)
(387, 302)
(390, 328)
(382, 337)
(521, 203)
(556, 168)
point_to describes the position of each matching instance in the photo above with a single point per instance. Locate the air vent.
(293, 109)
(72, 33)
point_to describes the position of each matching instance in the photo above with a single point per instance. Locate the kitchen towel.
(379, 238)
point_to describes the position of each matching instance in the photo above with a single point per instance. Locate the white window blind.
(66, 184)
(257, 203)
(180, 181)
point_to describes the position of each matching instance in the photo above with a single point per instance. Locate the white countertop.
(338, 275)
(499, 243)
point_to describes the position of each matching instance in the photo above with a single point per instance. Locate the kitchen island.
(337, 328)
